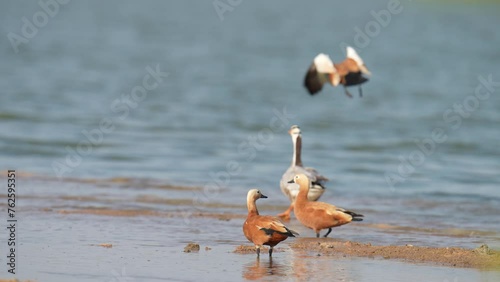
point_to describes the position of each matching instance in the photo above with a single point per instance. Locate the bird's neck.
(302, 195)
(297, 148)
(252, 207)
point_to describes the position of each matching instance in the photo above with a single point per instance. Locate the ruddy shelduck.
(263, 230)
(291, 190)
(348, 72)
(319, 215)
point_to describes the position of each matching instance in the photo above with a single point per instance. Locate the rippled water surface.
(216, 125)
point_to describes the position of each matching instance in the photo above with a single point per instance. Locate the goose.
(263, 230)
(291, 190)
(319, 215)
(348, 72)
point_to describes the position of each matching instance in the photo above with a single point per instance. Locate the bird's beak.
(263, 196)
(291, 181)
(365, 70)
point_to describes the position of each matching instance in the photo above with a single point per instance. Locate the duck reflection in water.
(258, 270)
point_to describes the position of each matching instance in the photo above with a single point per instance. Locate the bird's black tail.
(355, 216)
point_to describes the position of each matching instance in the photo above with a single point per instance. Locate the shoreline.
(480, 258)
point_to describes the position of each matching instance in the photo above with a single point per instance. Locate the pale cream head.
(294, 131)
(302, 180)
(255, 194)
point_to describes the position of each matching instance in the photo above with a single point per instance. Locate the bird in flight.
(347, 73)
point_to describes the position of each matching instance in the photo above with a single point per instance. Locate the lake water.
(417, 154)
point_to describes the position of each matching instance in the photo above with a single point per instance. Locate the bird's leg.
(329, 230)
(317, 234)
(286, 214)
(360, 91)
(347, 92)
(257, 249)
(270, 251)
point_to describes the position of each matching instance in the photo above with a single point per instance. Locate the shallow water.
(149, 257)
(60, 230)
(227, 80)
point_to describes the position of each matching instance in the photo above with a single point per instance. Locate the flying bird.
(348, 72)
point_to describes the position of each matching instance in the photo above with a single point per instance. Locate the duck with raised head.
(347, 73)
(263, 230)
(317, 187)
(319, 215)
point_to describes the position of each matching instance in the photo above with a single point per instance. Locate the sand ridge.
(481, 258)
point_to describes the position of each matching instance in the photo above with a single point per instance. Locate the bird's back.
(291, 189)
(266, 230)
(320, 215)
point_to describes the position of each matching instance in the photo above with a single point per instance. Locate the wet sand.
(482, 257)
(147, 230)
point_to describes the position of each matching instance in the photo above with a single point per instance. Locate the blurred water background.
(229, 73)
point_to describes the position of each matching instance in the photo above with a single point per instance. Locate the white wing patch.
(324, 64)
(351, 53)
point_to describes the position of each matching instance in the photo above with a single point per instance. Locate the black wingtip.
(311, 91)
(270, 232)
(317, 183)
(291, 232)
(355, 216)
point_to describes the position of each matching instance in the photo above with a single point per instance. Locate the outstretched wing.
(320, 72)
(312, 80)
(352, 54)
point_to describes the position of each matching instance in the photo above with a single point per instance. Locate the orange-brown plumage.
(263, 230)
(347, 73)
(346, 66)
(319, 215)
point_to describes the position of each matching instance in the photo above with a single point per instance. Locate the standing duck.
(291, 190)
(263, 230)
(319, 215)
(348, 72)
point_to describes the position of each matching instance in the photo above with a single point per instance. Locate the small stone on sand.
(483, 250)
(191, 247)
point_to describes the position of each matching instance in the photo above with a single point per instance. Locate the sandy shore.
(480, 258)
